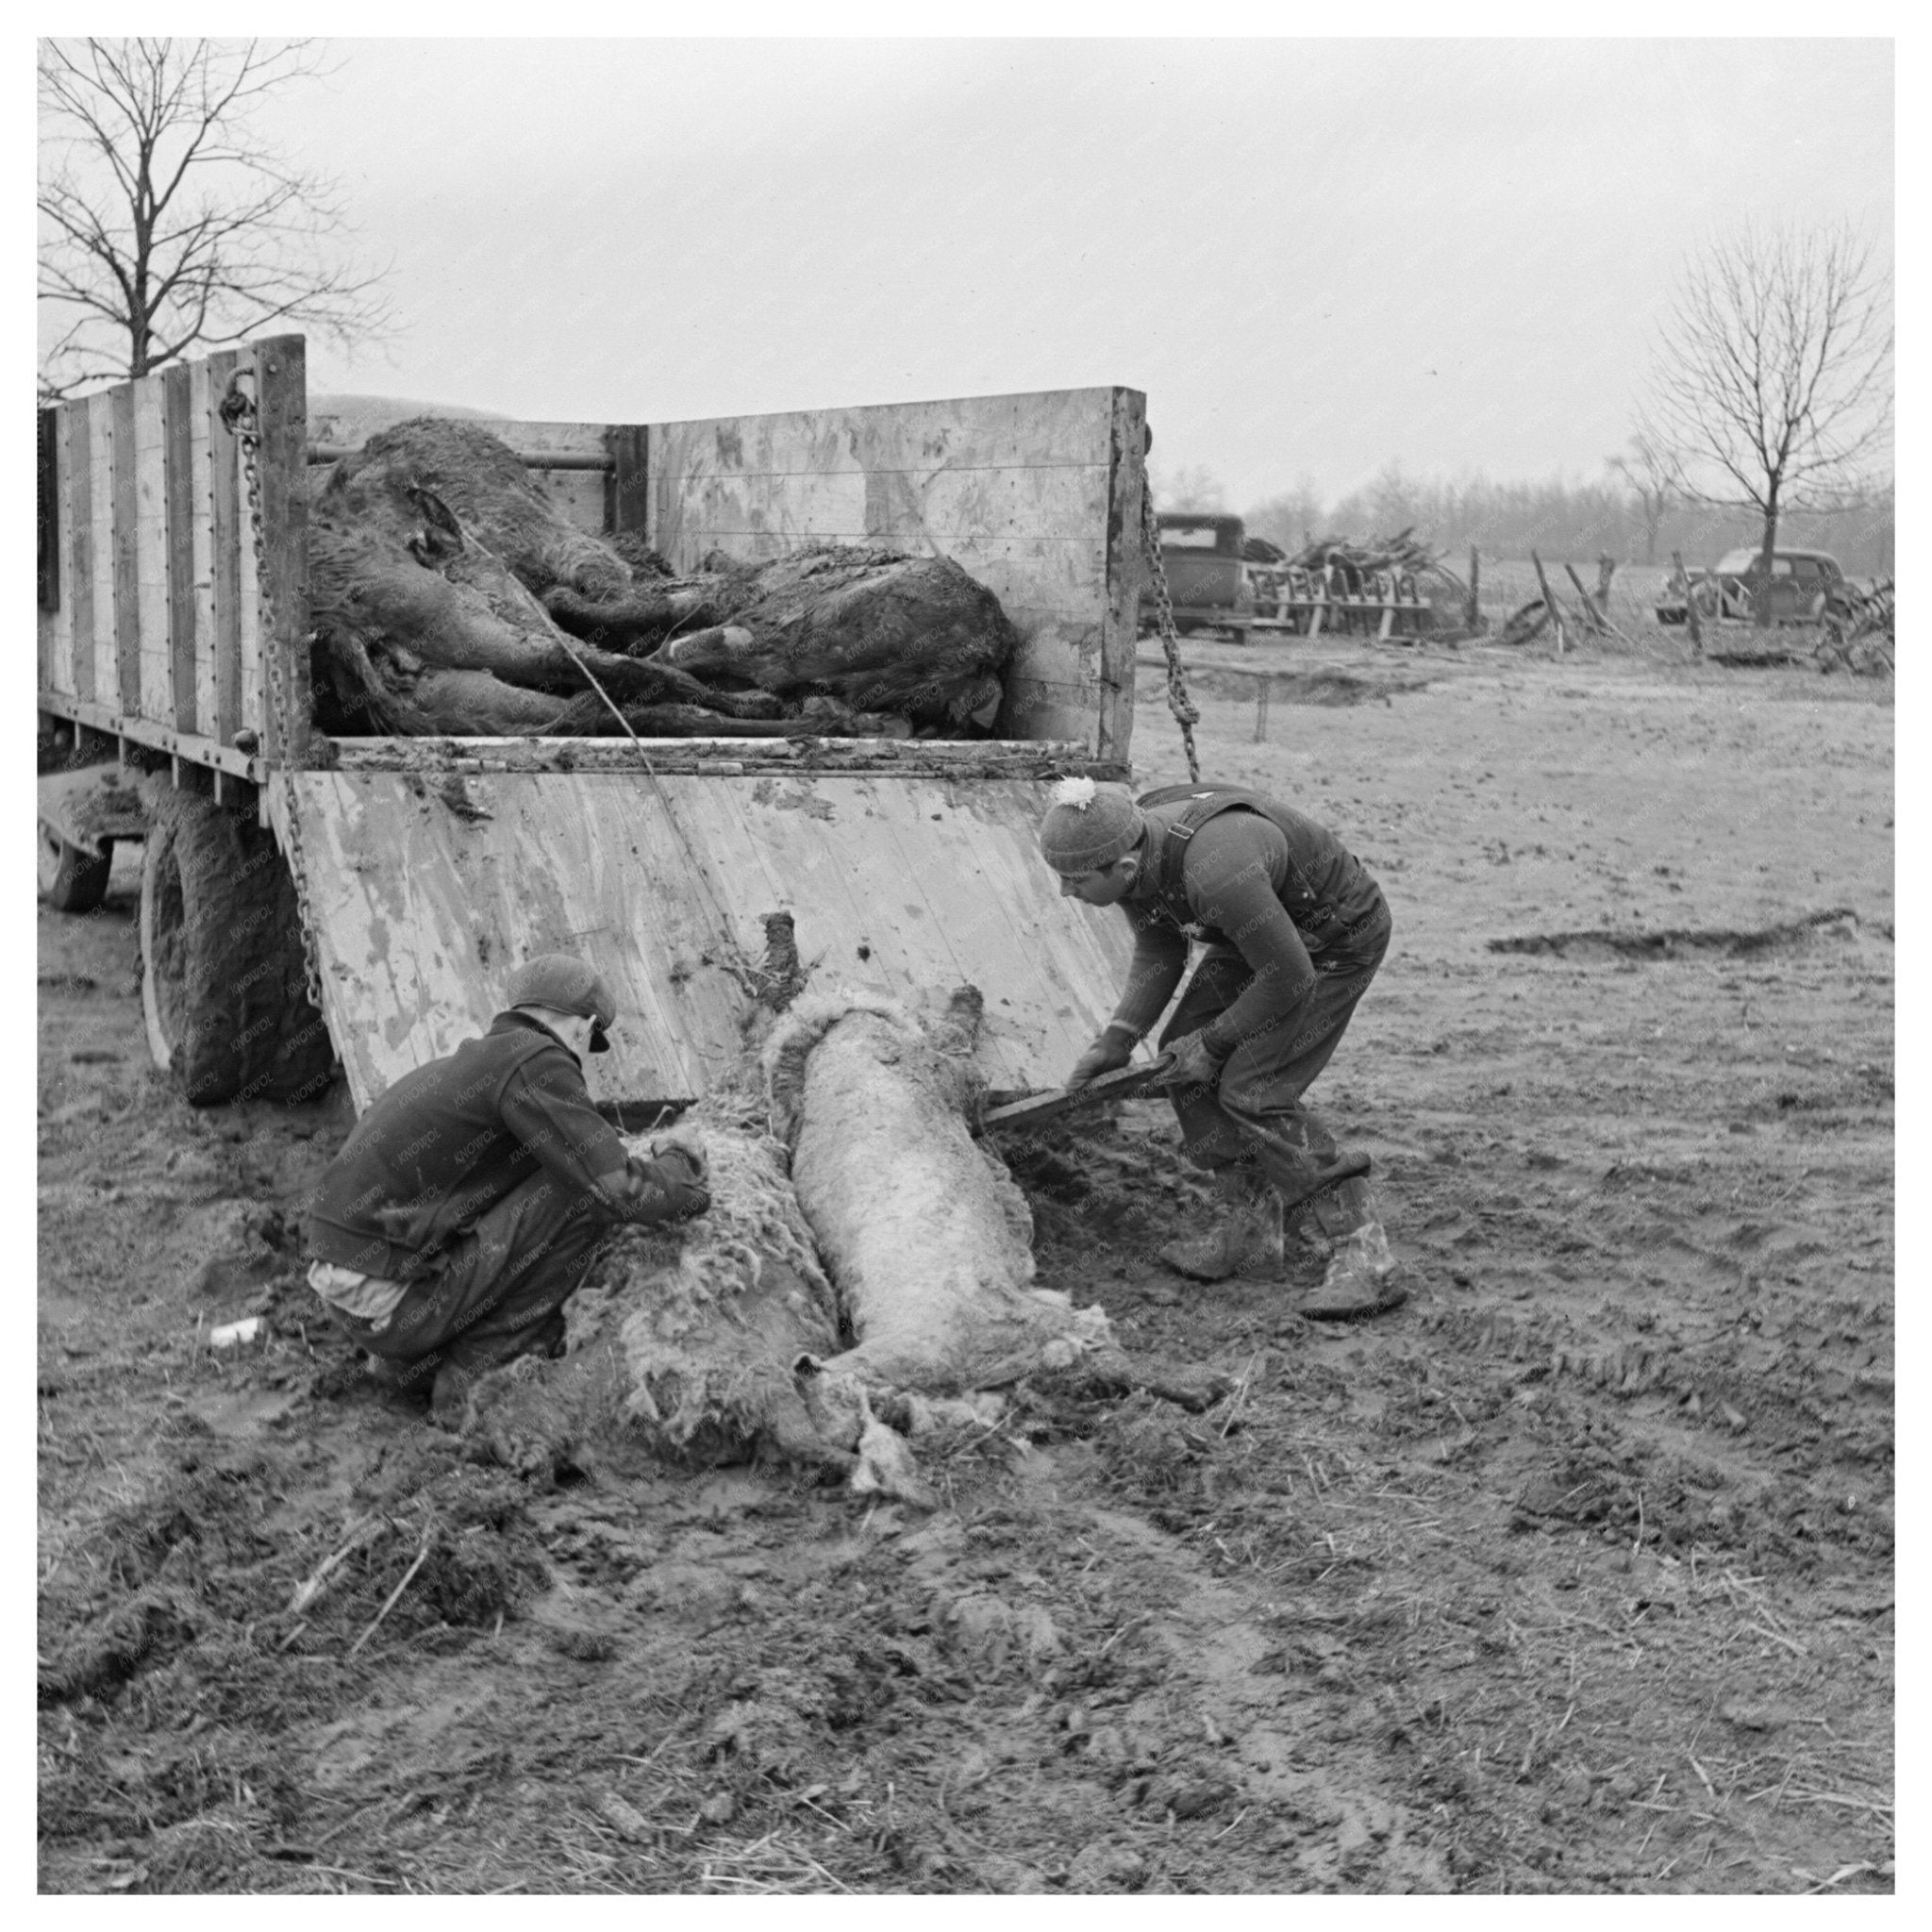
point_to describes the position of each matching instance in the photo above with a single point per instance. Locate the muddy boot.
(1361, 1273)
(1362, 1280)
(1247, 1238)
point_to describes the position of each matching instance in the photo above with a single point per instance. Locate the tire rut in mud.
(1677, 942)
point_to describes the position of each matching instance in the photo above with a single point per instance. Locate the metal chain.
(238, 414)
(1186, 713)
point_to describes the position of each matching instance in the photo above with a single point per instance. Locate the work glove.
(1195, 1063)
(689, 1142)
(1111, 1049)
(669, 1186)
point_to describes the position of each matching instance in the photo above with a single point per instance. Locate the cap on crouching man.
(567, 985)
(1089, 827)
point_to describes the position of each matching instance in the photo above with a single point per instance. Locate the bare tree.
(166, 223)
(1656, 477)
(1292, 518)
(1773, 384)
(1195, 488)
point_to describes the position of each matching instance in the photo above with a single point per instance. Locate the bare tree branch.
(1772, 388)
(1656, 476)
(166, 225)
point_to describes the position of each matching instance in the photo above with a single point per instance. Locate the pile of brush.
(1399, 554)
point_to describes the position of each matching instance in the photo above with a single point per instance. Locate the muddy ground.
(1575, 1575)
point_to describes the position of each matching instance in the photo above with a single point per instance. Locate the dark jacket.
(1245, 874)
(450, 1140)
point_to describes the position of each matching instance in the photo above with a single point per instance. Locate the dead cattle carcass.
(854, 1202)
(449, 594)
(876, 630)
(420, 625)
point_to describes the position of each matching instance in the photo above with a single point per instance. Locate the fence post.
(1472, 616)
(1550, 603)
(1689, 604)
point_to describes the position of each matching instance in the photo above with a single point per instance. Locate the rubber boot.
(1361, 1273)
(1247, 1238)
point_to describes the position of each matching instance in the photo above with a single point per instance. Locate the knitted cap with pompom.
(1088, 825)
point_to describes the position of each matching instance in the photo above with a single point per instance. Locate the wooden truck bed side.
(148, 620)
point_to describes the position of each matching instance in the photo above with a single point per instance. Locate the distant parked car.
(1802, 586)
(1203, 556)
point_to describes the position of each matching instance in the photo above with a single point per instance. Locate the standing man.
(464, 1210)
(1295, 931)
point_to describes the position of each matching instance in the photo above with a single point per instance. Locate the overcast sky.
(1315, 257)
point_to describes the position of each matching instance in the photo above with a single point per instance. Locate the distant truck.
(1207, 577)
(392, 882)
(1219, 578)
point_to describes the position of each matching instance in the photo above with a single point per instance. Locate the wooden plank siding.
(106, 675)
(281, 405)
(153, 662)
(1126, 571)
(77, 586)
(627, 500)
(178, 533)
(1018, 489)
(226, 522)
(126, 579)
(899, 886)
(56, 624)
(201, 561)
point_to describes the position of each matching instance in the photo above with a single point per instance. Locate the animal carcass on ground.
(865, 1274)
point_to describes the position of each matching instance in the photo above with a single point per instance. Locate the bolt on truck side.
(308, 897)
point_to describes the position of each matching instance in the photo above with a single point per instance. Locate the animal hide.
(438, 560)
(887, 1225)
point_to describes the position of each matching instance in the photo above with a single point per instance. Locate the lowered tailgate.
(426, 889)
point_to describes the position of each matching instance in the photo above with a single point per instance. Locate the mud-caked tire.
(222, 987)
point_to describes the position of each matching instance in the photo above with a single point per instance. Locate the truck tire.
(73, 878)
(222, 984)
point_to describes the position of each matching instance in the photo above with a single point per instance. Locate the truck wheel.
(73, 878)
(222, 984)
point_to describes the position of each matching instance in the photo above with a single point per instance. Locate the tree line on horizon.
(1562, 521)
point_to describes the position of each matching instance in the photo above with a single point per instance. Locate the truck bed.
(433, 865)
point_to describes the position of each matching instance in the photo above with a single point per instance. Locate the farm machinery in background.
(1393, 589)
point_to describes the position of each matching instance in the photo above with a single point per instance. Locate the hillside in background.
(380, 411)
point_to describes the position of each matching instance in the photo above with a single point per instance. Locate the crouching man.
(1295, 931)
(466, 1206)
